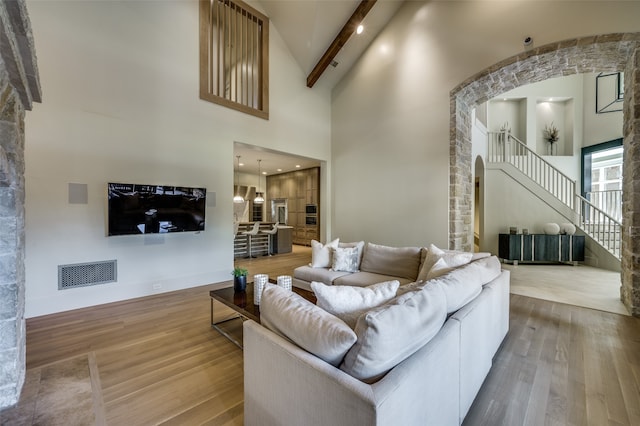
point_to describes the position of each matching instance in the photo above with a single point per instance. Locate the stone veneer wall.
(630, 289)
(608, 53)
(19, 87)
(12, 324)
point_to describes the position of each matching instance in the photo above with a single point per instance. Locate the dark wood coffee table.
(242, 303)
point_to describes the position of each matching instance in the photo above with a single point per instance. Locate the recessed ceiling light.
(279, 170)
(360, 29)
(297, 166)
(264, 173)
(240, 164)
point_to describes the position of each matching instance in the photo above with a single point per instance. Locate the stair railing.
(599, 225)
(610, 201)
(503, 147)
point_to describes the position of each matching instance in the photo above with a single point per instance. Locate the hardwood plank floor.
(156, 360)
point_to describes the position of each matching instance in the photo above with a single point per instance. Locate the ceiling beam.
(343, 36)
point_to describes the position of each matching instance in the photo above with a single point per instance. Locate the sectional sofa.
(418, 358)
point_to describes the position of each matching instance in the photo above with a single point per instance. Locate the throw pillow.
(452, 259)
(359, 245)
(321, 253)
(305, 324)
(391, 333)
(349, 302)
(463, 284)
(345, 259)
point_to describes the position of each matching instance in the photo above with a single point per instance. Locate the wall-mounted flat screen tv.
(154, 209)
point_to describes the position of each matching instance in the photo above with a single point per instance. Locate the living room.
(120, 104)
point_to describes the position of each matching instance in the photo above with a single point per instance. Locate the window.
(234, 56)
(602, 176)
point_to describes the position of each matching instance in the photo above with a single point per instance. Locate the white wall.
(507, 204)
(390, 115)
(120, 103)
(598, 128)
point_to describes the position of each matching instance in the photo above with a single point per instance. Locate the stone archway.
(610, 53)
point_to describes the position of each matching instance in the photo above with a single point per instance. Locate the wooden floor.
(156, 360)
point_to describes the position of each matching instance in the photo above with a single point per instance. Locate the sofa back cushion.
(390, 333)
(393, 261)
(305, 324)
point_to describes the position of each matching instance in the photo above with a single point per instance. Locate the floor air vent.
(85, 274)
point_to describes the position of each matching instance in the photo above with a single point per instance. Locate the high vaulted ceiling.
(308, 27)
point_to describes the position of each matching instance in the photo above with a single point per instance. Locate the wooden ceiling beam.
(343, 36)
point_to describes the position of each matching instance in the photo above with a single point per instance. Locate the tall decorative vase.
(284, 281)
(259, 281)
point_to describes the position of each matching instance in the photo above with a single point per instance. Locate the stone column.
(630, 289)
(19, 87)
(12, 324)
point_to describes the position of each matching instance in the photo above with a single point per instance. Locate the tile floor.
(575, 285)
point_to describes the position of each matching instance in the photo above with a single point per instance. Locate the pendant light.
(259, 198)
(238, 198)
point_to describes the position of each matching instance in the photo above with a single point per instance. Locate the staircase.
(594, 221)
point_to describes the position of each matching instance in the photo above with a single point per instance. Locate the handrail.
(602, 227)
(503, 147)
(610, 201)
(599, 225)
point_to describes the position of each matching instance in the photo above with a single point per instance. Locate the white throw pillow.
(305, 324)
(359, 245)
(451, 259)
(321, 254)
(390, 333)
(345, 259)
(349, 302)
(462, 284)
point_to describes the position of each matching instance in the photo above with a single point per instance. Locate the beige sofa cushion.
(364, 279)
(390, 333)
(393, 261)
(305, 324)
(325, 275)
(349, 302)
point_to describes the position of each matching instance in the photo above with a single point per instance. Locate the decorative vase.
(240, 283)
(284, 281)
(551, 228)
(568, 228)
(259, 281)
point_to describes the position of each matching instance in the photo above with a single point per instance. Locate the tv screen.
(154, 209)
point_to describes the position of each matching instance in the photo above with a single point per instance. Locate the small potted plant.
(239, 279)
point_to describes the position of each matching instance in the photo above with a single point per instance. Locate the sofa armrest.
(284, 385)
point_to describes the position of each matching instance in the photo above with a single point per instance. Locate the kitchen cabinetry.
(300, 189)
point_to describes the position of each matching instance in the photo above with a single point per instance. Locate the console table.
(541, 248)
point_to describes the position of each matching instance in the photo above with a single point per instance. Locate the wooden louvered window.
(234, 56)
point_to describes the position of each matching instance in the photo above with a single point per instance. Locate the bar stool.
(270, 233)
(254, 231)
